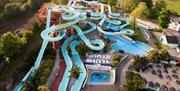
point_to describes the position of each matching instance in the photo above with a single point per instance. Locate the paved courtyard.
(164, 80)
(100, 88)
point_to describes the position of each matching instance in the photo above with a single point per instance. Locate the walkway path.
(55, 69)
(121, 70)
(62, 66)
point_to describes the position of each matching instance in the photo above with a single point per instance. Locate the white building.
(146, 24)
(170, 41)
(174, 23)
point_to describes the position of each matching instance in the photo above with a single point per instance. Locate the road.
(172, 32)
(121, 69)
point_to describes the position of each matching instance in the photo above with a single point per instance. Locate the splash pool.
(97, 78)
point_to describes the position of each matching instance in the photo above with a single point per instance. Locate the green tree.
(112, 2)
(141, 11)
(75, 72)
(63, 2)
(122, 88)
(149, 3)
(130, 5)
(164, 55)
(153, 56)
(164, 18)
(134, 81)
(140, 62)
(157, 8)
(35, 82)
(13, 9)
(83, 49)
(104, 1)
(43, 88)
(116, 60)
(10, 44)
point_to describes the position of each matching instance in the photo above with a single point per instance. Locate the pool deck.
(100, 88)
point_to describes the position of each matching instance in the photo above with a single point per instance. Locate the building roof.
(172, 39)
(175, 18)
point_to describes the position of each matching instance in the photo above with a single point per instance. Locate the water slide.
(46, 38)
(75, 15)
(120, 32)
(38, 60)
(112, 14)
(65, 80)
(95, 44)
(64, 83)
(79, 82)
(98, 16)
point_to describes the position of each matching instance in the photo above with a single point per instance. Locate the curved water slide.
(112, 14)
(82, 76)
(120, 32)
(70, 13)
(95, 44)
(69, 3)
(79, 82)
(98, 16)
(64, 83)
(46, 38)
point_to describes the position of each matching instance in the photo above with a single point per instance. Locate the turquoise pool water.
(137, 48)
(99, 78)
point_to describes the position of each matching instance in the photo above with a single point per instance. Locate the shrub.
(27, 35)
(13, 9)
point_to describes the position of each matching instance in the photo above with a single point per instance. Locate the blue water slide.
(69, 3)
(112, 14)
(38, 60)
(64, 83)
(98, 16)
(96, 44)
(78, 84)
(122, 31)
(82, 76)
(46, 38)
(114, 22)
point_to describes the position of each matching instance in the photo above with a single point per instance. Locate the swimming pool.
(98, 78)
(137, 48)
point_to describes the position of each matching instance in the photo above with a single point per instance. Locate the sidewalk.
(56, 83)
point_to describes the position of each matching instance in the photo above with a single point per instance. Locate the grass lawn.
(157, 42)
(173, 5)
(138, 34)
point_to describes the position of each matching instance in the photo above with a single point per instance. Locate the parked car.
(178, 82)
(153, 72)
(159, 71)
(151, 84)
(172, 89)
(164, 88)
(121, 51)
(174, 71)
(160, 76)
(157, 85)
(175, 76)
(165, 71)
(168, 77)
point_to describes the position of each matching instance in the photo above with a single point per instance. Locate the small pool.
(97, 78)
